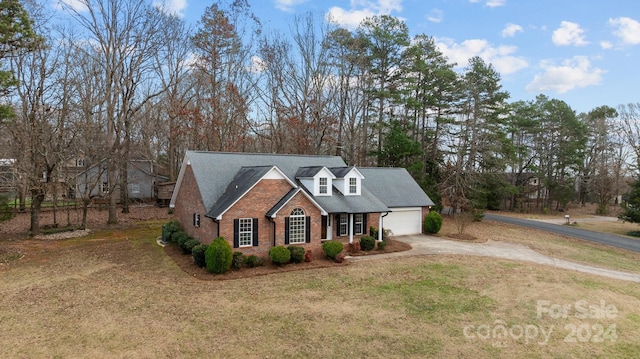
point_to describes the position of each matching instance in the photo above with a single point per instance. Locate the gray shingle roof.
(340, 172)
(246, 178)
(394, 187)
(214, 171)
(365, 203)
(308, 172)
(222, 177)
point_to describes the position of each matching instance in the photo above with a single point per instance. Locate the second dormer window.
(322, 189)
(353, 185)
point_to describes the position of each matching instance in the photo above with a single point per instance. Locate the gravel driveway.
(429, 245)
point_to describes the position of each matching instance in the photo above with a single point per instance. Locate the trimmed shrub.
(197, 253)
(253, 261)
(297, 254)
(367, 243)
(218, 256)
(279, 255)
(373, 232)
(179, 238)
(188, 245)
(339, 258)
(237, 261)
(432, 222)
(332, 248)
(170, 228)
(382, 245)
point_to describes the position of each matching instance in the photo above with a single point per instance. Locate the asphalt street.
(602, 238)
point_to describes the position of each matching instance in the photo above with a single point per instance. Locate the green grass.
(117, 294)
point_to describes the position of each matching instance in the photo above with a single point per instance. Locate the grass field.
(116, 294)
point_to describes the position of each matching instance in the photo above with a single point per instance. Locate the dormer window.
(323, 185)
(353, 185)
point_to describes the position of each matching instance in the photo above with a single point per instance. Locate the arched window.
(297, 226)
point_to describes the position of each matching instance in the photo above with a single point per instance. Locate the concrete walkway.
(425, 245)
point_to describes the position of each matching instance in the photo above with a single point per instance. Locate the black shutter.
(307, 229)
(254, 227)
(236, 233)
(365, 229)
(286, 230)
(337, 224)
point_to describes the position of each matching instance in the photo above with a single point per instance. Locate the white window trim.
(297, 226)
(356, 223)
(353, 186)
(346, 225)
(324, 186)
(245, 229)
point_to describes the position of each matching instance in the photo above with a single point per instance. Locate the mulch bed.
(463, 237)
(185, 262)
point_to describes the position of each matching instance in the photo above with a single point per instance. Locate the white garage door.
(404, 221)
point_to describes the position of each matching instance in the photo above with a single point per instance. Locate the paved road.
(602, 238)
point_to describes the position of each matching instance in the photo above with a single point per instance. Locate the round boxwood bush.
(179, 238)
(367, 243)
(432, 222)
(218, 256)
(382, 245)
(188, 245)
(170, 229)
(297, 254)
(332, 248)
(279, 255)
(253, 261)
(197, 253)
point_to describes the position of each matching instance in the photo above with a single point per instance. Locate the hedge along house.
(257, 201)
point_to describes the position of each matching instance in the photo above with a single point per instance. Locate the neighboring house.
(257, 201)
(141, 181)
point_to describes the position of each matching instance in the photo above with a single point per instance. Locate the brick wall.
(188, 202)
(255, 204)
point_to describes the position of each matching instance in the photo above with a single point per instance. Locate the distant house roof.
(382, 181)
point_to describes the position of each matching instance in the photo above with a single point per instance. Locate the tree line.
(120, 80)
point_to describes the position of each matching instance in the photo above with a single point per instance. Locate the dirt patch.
(185, 262)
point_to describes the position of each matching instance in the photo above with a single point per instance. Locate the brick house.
(257, 201)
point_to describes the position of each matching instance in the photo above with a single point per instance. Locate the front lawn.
(117, 294)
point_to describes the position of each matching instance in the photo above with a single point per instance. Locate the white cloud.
(606, 45)
(173, 7)
(258, 65)
(491, 3)
(76, 5)
(436, 15)
(288, 5)
(510, 30)
(627, 29)
(571, 74)
(501, 57)
(569, 33)
(496, 3)
(361, 9)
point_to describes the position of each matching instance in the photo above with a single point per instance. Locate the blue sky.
(585, 53)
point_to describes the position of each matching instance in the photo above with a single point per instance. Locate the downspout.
(380, 230)
(218, 227)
